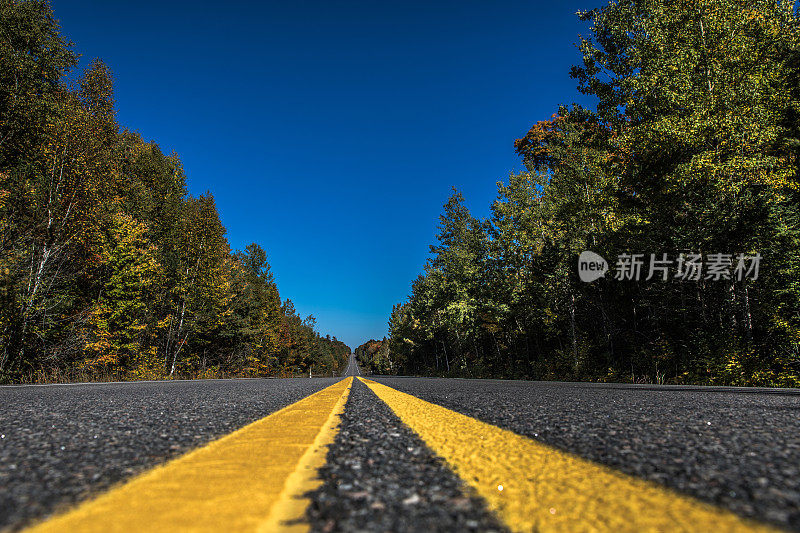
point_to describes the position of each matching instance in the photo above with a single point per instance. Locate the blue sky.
(331, 133)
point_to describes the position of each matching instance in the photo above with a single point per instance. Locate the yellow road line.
(534, 487)
(249, 480)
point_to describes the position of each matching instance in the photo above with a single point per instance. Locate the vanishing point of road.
(397, 454)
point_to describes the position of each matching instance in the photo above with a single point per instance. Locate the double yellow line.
(254, 479)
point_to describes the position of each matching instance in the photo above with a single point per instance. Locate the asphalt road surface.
(61, 444)
(738, 451)
(352, 367)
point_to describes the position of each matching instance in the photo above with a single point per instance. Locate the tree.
(693, 147)
(258, 310)
(119, 319)
(107, 265)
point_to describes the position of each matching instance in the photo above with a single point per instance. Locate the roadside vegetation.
(109, 269)
(374, 357)
(693, 147)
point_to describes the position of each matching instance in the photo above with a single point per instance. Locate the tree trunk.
(574, 338)
(749, 317)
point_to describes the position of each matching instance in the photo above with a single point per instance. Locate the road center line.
(250, 480)
(534, 487)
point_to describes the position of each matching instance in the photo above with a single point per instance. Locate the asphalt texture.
(380, 476)
(61, 444)
(736, 449)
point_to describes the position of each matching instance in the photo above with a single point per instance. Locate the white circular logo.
(591, 266)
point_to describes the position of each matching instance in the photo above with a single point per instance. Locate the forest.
(691, 149)
(109, 268)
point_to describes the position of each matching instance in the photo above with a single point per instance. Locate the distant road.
(352, 367)
(402, 454)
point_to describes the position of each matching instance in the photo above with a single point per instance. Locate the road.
(397, 454)
(352, 367)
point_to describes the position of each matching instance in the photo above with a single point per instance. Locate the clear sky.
(331, 132)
